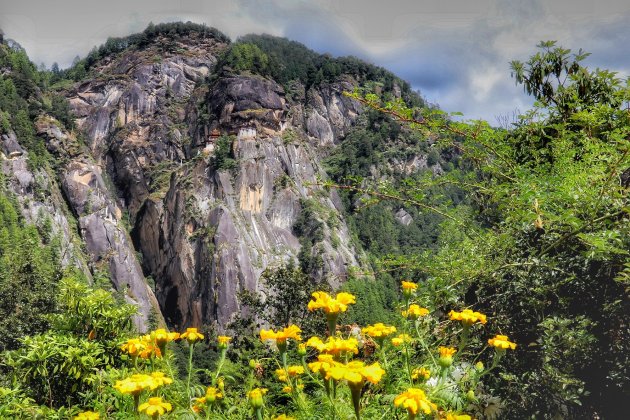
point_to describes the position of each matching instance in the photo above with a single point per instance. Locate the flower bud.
(470, 396)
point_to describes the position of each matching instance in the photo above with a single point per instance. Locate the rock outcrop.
(204, 232)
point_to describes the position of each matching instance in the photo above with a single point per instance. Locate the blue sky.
(456, 52)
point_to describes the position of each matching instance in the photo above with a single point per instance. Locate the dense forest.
(505, 292)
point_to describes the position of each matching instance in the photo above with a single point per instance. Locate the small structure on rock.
(211, 141)
(246, 133)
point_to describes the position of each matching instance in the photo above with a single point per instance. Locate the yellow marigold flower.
(323, 364)
(289, 389)
(415, 400)
(134, 346)
(161, 336)
(213, 394)
(192, 335)
(281, 337)
(301, 349)
(292, 371)
(334, 345)
(408, 289)
(223, 341)
(87, 415)
(295, 370)
(155, 407)
(135, 384)
(447, 351)
(414, 312)
(409, 285)
(151, 349)
(282, 375)
(467, 317)
(501, 342)
(283, 417)
(316, 343)
(330, 305)
(161, 379)
(356, 373)
(379, 331)
(446, 356)
(255, 397)
(421, 373)
(401, 339)
(453, 416)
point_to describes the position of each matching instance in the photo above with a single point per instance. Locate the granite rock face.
(204, 232)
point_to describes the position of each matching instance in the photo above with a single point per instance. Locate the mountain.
(182, 166)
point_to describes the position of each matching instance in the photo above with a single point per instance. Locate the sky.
(455, 52)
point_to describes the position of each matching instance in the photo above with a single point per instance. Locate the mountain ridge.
(161, 113)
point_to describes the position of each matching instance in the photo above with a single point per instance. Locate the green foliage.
(20, 102)
(244, 56)
(544, 238)
(557, 79)
(223, 154)
(288, 291)
(289, 61)
(60, 109)
(375, 300)
(309, 228)
(29, 271)
(61, 365)
(55, 368)
(172, 31)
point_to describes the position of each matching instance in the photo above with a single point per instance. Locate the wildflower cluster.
(351, 366)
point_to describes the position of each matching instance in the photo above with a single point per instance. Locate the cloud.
(456, 52)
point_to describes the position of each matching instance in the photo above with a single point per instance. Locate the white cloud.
(456, 52)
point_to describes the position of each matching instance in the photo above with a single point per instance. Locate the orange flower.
(223, 341)
(356, 373)
(446, 356)
(501, 343)
(192, 335)
(467, 317)
(415, 400)
(281, 337)
(401, 339)
(133, 346)
(330, 305)
(421, 373)
(155, 407)
(415, 312)
(408, 285)
(334, 345)
(378, 331)
(447, 351)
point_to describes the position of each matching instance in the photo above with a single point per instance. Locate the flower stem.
(190, 357)
(355, 391)
(424, 346)
(219, 365)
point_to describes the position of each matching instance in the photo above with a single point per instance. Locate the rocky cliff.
(203, 232)
(185, 179)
